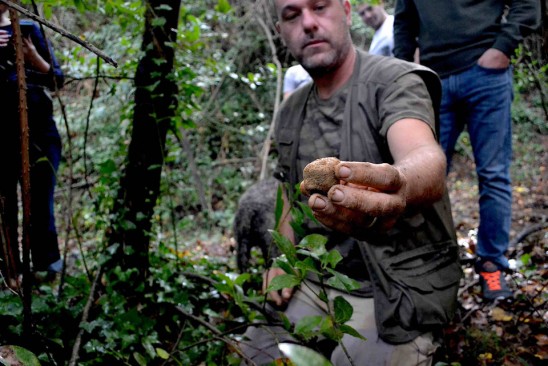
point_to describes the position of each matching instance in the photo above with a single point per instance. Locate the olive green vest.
(414, 267)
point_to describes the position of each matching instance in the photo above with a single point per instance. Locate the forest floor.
(513, 332)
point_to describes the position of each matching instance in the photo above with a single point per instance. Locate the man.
(376, 17)
(469, 44)
(391, 221)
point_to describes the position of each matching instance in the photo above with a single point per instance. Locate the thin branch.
(61, 31)
(216, 332)
(268, 140)
(76, 349)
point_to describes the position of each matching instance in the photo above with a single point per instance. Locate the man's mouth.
(313, 43)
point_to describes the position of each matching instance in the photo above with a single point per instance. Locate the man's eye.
(290, 16)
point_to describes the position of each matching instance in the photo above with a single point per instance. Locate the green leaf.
(281, 262)
(331, 259)
(158, 22)
(303, 356)
(342, 282)
(141, 360)
(307, 265)
(285, 321)
(15, 355)
(223, 6)
(307, 325)
(285, 246)
(347, 329)
(279, 206)
(315, 243)
(162, 353)
(329, 330)
(241, 279)
(283, 281)
(343, 310)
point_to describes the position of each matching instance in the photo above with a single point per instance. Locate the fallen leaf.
(500, 315)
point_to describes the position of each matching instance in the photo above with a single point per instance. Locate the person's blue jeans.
(45, 156)
(481, 99)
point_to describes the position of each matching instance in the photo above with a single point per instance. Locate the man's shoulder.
(385, 70)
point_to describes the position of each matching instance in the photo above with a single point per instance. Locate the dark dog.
(254, 218)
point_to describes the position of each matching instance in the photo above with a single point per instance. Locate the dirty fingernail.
(337, 195)
(319, 203)
(344, 172)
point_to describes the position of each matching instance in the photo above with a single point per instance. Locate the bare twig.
(61, 31)
(216, 332)
(76, 349)
(268, 140)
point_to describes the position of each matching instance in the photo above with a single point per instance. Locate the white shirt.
(295, 77)
(383, 40)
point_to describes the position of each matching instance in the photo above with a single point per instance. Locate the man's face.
(372, 15)
(316, 32)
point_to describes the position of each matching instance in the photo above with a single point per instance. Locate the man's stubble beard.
(329, 61)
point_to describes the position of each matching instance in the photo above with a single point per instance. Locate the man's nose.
(309, 21)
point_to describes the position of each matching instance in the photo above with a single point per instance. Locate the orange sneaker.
(492, 281)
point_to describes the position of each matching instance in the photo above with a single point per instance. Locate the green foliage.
(15, 355)
(302, 356)
(311, 257)
(193, 303)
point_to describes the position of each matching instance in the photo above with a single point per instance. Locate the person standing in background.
(376, 17)
(469, 44)
(295, 77)
(42, 75)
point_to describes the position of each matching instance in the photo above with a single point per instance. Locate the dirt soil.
(513, 332)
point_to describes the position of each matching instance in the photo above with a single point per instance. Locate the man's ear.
(348, 10)
(277, 26)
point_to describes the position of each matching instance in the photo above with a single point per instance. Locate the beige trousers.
(260, 344)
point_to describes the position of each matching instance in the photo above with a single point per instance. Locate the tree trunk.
(155, 104)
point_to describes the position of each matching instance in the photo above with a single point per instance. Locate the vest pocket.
(423, 285)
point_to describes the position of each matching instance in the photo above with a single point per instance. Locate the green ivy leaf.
(343, 310)
(283, 281)
(303, 356)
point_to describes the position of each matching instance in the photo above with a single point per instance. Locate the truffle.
(319, 176)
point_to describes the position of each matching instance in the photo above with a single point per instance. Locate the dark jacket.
(53, 79)
(414, 267)
(452, 35)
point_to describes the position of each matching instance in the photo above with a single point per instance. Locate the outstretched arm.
(374, 196)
